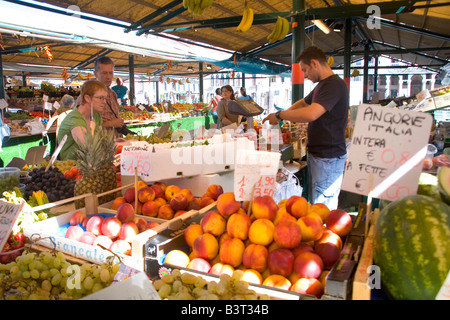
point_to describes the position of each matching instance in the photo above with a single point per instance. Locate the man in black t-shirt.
(325, 108)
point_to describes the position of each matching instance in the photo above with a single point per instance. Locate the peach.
(309, 286)
(191, 233)
(77, 218)
(117, 202)
(321, 209)
(146, 194)
(287, 234)
(273, 246)
(177, 258)
(188, 194)
(129, 194)
(252, 276)
(281, 261)
(205, 246)
(151, 225)
(194, 205)
(329, 253)
(282, 214)
(238, 225)
(227, 204)
(162, 185)
(205, 201)
(221, 268)
(224, 236)
(128, 230)
(160, 201)
(170, 191)
(138, 208)
(141, 223)
(199, 264)
(179, 213)
(141, 184)
(150, 209)
(125, 212)
(282, 203)
(74, 232)
(121, 247)
(165, 212)
(339, 221)
(159, 192)
(213, 223)
(178, 202)
(264, 207)
(94, 225)
(111, 227)
(231, 252)
(103, 241)
(308, 265)
(277, 281)
(297, 206)
(323, 277)
(261, 232)
(214, 191)
(87, 237)
(331, 237)
(302, 247)
(311, 227)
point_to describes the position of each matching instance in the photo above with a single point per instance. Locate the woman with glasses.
(84, 117)
(226, 118)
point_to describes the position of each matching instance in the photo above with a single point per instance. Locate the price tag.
(387, 151)
(141, 107)
(137, 157)
(255, 174)
(8, 216)
(56, 105)
(45, 98)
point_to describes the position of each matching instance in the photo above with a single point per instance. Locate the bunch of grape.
(186, 286)
(53, 183)
(46, 276)
(62, 165)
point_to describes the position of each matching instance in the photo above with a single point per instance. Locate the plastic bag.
(288, 187)
(35, 126)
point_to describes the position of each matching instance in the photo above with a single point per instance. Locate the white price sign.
(387, 151)
(255, 174)
(8, 216)
(137, 158)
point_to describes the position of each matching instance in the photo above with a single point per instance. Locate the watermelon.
(412, 247)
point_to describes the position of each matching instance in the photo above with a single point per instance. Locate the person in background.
(104, 72)
(84, 117)
(121, 91)
(244, 95)
(325, 109)
(67, 103)
(226, 118)
(214, 102)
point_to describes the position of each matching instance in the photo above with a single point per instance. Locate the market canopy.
(162, 36)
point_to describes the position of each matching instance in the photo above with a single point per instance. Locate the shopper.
(121, 91)
(325, 108)
(84, 117)
(214, 101)
(104, 72)
(226, 118)
(244, 95)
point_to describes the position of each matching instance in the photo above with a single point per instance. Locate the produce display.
(290, 245)
(9, 178)
(412, 247)
(46, 276)
(185, 286)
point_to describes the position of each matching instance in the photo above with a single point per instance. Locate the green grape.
(176, 285)
(176, 273)
(14, 270)
(46, 285)
(157, 284)
(26, 274)
(86, 267)
(53, 271)
(164, 291)
(167, 278)
(96, 273)
(32, 265)
(56, 279)
(45, 274)
(104, 275)
(35, 274)
(97, 287)
(56, 262)
(200, 282)
(212, 286)
(116, 268)
(88, 283)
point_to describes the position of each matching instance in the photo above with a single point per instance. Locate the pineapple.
(95, 162)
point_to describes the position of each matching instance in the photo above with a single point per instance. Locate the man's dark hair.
(102, 60)
(311, 53)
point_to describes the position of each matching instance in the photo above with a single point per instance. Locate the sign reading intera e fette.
(387, 150)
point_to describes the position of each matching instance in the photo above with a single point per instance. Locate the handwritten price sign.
(8, 216)
(136, 157)
(255, 174)
(387, 152)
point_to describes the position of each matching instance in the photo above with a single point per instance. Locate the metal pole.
(298, 45)
(2, 84)
(375, 75)
(131, 71)
(366, 74)
(200, 75)
(347, 55)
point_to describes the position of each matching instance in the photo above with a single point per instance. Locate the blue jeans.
(325, 179)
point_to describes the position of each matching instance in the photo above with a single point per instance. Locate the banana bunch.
(247, 20)
(280, 31)
(330, 61)
(196, 7)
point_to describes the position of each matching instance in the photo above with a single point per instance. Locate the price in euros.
(142, 166)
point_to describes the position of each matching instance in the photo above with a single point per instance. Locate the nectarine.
(264, 207)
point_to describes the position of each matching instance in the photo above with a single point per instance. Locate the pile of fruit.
(47, 276)
(114, 232)
(12, 248)
(186, 286)
(160, 200)
(291, 245)
(151, 138)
